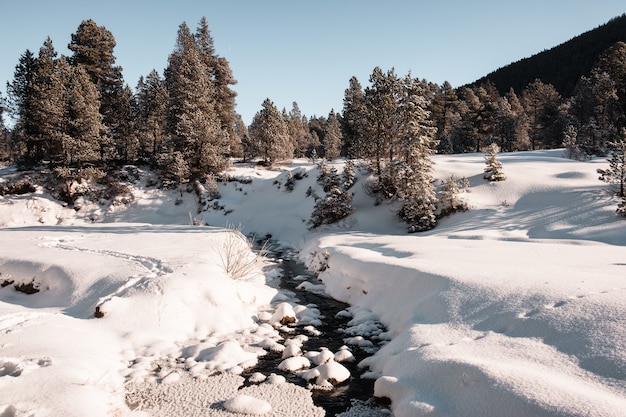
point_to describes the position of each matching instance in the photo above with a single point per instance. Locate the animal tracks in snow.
(153, 267)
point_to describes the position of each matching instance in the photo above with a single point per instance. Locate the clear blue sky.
(306, 51)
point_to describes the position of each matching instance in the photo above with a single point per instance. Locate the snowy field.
(514, 308)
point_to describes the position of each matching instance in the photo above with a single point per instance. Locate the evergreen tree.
(414, 173)
(353, 120)
(380, 108)
(268, 132)
(337, 202)
(596, 110)
(535, 98)
(47, 116)
(240, 132)
(449, 198)
(521, 122)
(4, 135)
(221, 77)
(332, 138)
(493, 170)
(616, 173)
(445, 114)
(93, 46)
(150, 111)
(613, 62)
(194, 128)
(21, 103)
(297, 127)
(84, 121)
(572, 151)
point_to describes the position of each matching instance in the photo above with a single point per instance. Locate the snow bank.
(514, 308)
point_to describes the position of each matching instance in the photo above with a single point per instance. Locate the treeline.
(76, 115)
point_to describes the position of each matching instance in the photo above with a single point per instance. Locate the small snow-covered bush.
(335, 206)
(449, 200)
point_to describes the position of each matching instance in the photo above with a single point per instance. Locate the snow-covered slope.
(513, 308)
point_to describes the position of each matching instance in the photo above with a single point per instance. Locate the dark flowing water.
(332, 337)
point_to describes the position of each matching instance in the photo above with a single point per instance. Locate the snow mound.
(245, 404)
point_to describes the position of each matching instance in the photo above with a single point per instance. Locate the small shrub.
(236, 256)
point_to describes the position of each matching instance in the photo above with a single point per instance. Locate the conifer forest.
(76, 116)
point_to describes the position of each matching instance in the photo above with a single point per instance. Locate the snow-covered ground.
(514, 308)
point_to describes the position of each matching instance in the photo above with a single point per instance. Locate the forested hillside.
(562, 65)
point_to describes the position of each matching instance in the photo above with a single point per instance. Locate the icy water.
(332, 336)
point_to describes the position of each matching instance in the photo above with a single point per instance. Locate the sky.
(306, 51)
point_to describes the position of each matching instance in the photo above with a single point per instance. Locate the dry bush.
(237, 258)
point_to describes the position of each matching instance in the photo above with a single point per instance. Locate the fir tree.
(493, 170)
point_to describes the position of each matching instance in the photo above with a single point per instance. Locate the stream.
(332, 335)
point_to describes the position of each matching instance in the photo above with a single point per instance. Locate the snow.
(515, 307)
(246, 404)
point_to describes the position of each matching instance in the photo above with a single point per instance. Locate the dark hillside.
(562, 65)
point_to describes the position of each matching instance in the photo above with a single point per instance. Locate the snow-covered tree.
(449, 199)
(616, 173)
(413, 174)
(194, 126)
(493, 170)
(572, 150)
(349, 177)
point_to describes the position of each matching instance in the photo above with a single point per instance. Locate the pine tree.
(493, 170)
(21, 103)
(332, 137)
(354, 119)
(47, 116)
(337, 201)
(150, 111)
(414, 174)
(535, 98)
(268, 132)
(299, 132)
(5, 154)
(445, 114)
(221, 78)
(93, 46)
(380, 105)
(616, 173)
(84, 121)
(194, 127)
